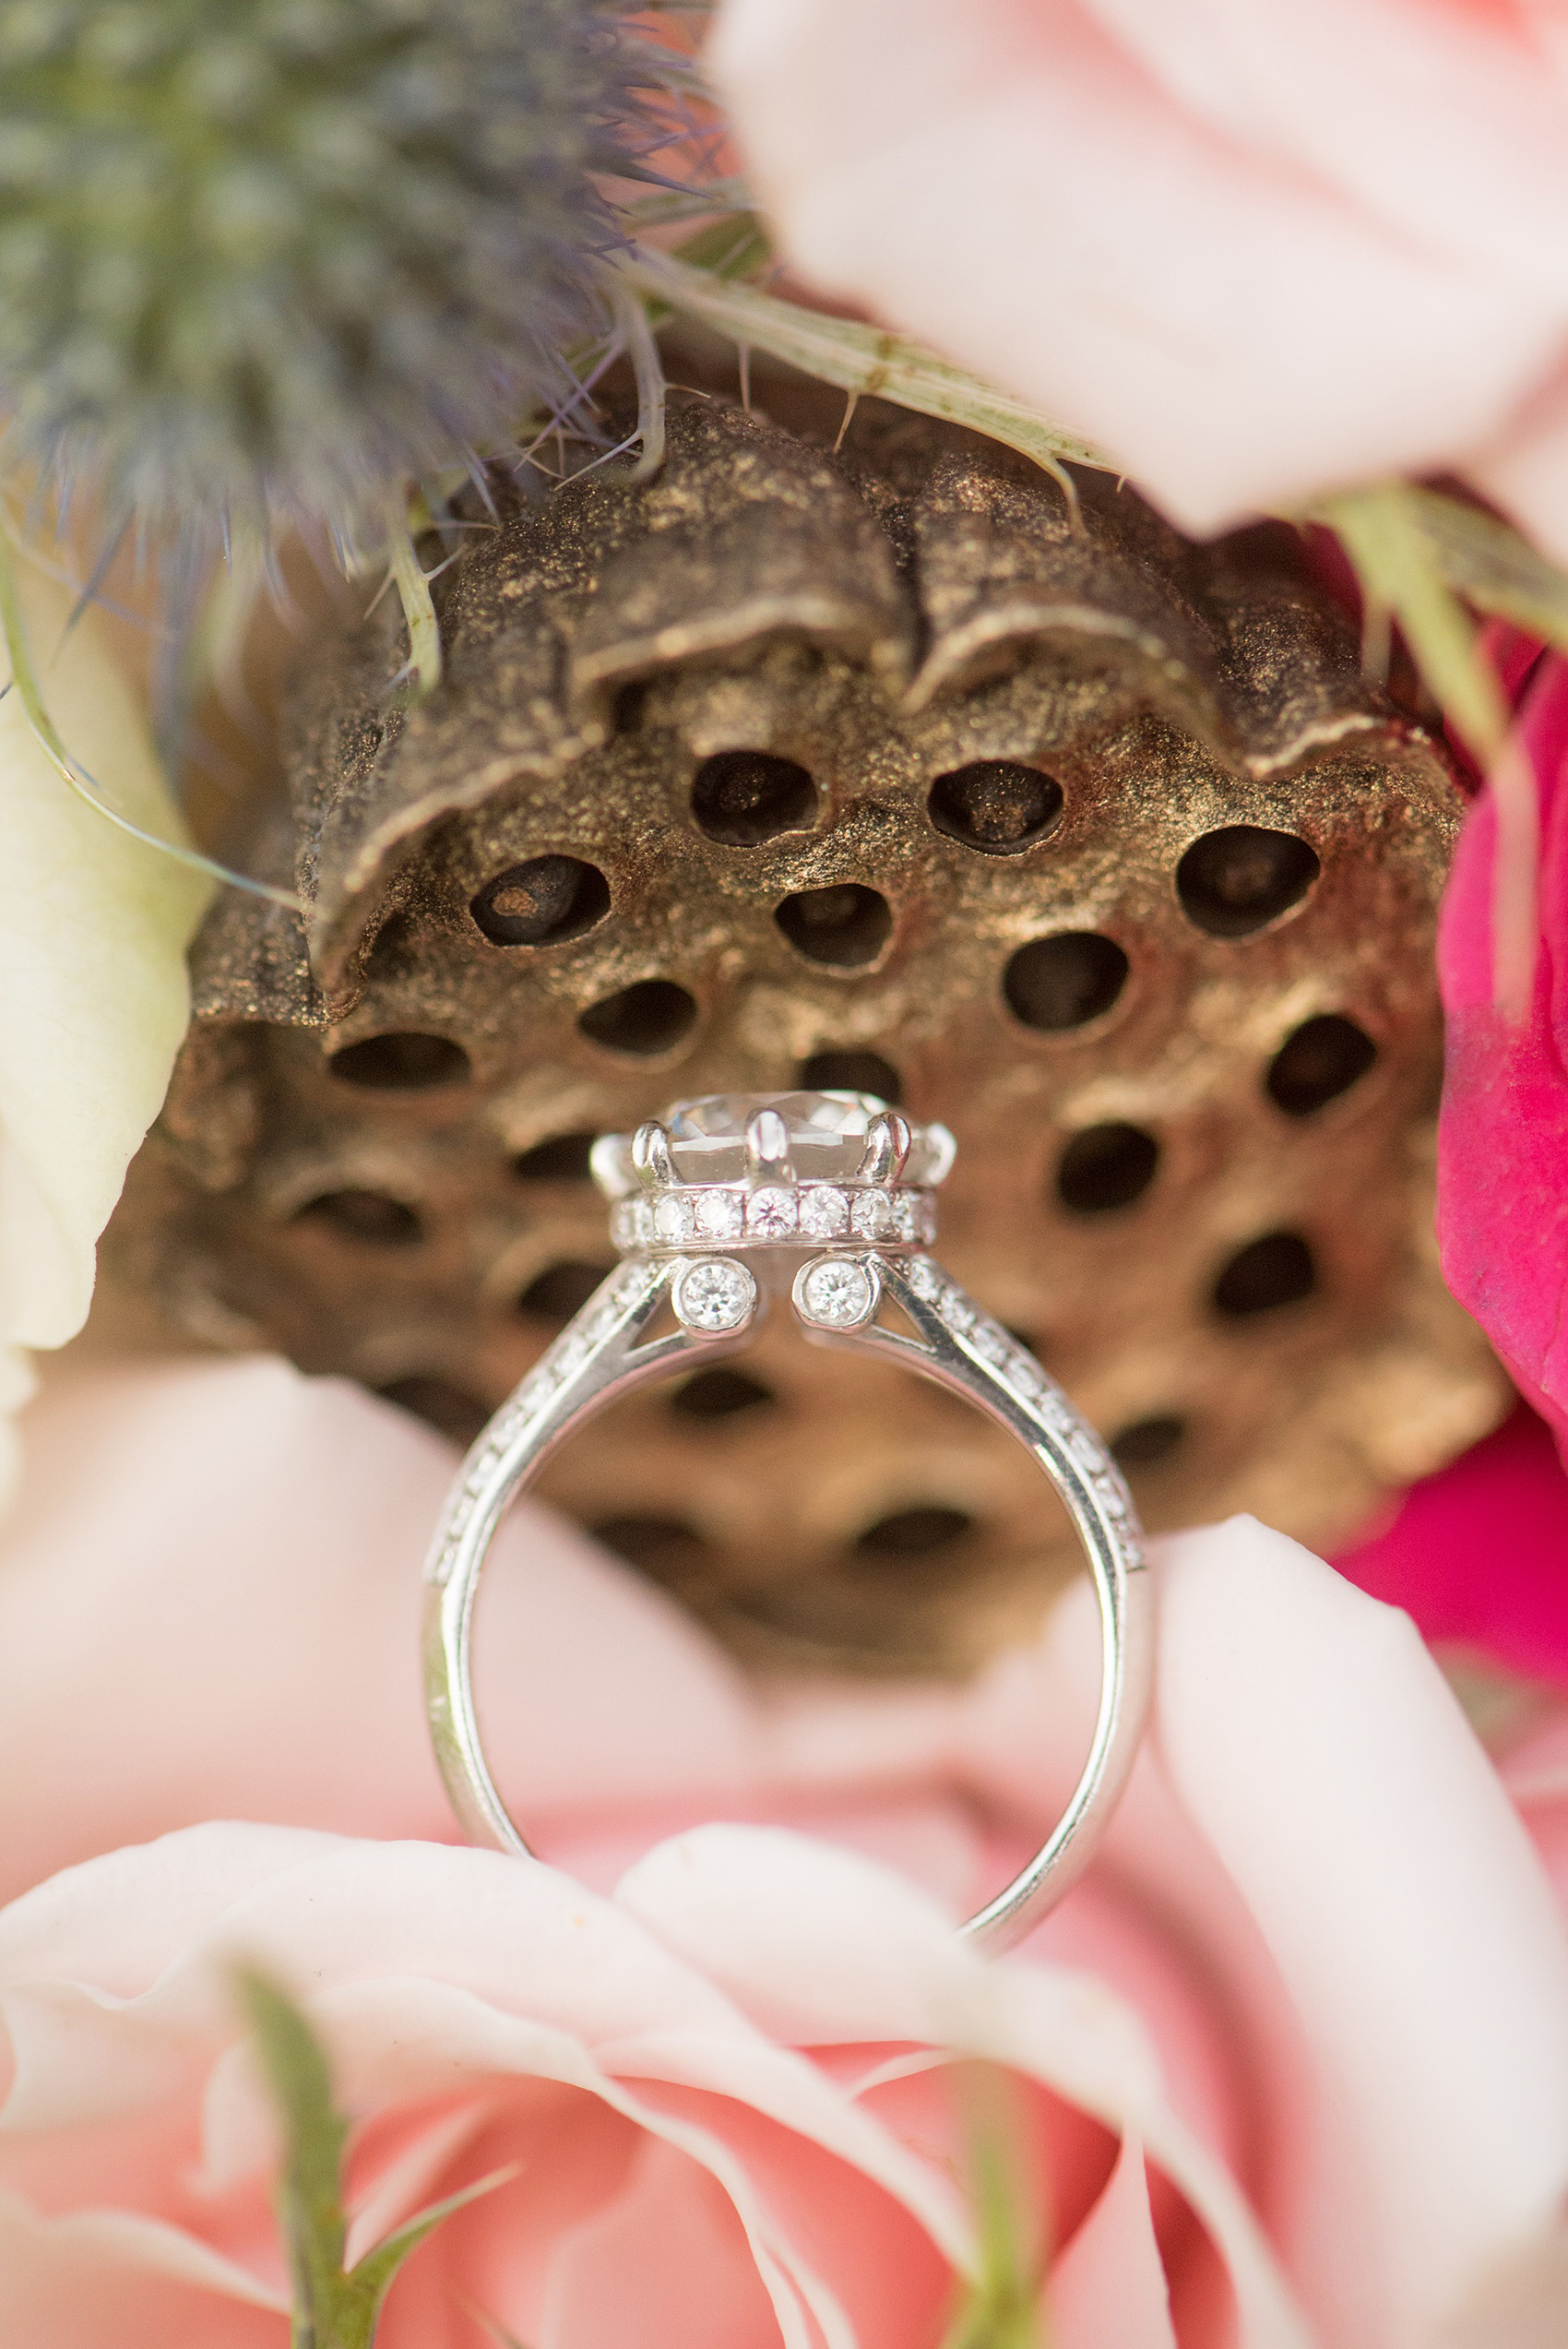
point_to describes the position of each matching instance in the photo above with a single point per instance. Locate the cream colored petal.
(93, 996)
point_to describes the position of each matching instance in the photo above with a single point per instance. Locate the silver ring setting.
(721, 1207)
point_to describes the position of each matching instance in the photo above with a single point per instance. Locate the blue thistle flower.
(262, 260)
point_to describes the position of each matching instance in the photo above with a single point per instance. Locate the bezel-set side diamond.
(837, 1293)
(714, 1295)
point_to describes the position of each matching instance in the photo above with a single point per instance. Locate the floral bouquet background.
(281, 285)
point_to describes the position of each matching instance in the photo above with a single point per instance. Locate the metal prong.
(887, 1146)
(650, 1156)
(767, 1148)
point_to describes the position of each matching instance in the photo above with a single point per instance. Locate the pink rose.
(1299, 2041)
(1255, 252)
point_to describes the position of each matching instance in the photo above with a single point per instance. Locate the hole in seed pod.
(1106, 1167)
(995, 805)
(403, 1061)
(1062, 981)
(441, 1403)
(1279, 1269)
(664, 1546)
(720, 1394)
(561, 1289)
(843, 926)
(1233, 882)
(1144, 1443)
(370, 1216)
(631, 706)
(650, 1016)
(1321, 1061)
(542, 903)
(563, 1159)
(914, 1532)
(391, 948)
(743, 796)
(852, 1072)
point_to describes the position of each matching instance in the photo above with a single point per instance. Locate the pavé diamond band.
(721, 1207)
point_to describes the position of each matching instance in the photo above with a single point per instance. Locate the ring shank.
(600, 1358)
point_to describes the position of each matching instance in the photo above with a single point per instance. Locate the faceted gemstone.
(906, 1215)
(715, 1296)
(826, 1135)
(837, 1293)
(675, 1219)
(825, 1213)
(875, 1216)
(958, 1310)
(770, 1212)
(990, 1343)
(721, 1215)
(924, 1279)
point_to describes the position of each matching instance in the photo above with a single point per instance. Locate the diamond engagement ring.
(721, 1207)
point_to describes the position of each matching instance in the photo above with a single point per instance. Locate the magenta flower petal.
(1477, 1553)
(1502, 1182)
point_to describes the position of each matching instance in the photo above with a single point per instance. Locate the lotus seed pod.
(258, 263)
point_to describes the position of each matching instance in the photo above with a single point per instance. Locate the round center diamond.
(826, 1136)
(837, 1292)
(715, 1296)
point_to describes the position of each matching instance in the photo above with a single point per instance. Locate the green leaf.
(863, 361)
(310, 2204)
(333, 2308)
(1383, 533)
(1492, 567)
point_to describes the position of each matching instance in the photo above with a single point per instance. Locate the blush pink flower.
(1297, 2048)
(1255, 252)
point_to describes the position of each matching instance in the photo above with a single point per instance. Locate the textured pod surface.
(867, 769)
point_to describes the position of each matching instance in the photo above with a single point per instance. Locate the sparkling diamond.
(825, 1213)
(1084, 1450)
(630, 1284)
(874, 1217)
(837, 1292)
(924, 1279)
(826, 1135)
(623, 1225)
(675, 1219)
(958, 1310)
(715, 1296)
(720, 1214)
(990, 1343)
(907, 1215)
(570, 1353)
(770, 1212)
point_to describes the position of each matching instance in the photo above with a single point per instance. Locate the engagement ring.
(723, 1208)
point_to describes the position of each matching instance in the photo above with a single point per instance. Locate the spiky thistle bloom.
(260, 260)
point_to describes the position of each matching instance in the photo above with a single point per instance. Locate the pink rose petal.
(1187, 233)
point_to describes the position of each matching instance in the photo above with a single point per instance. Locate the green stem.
(864, 360)
(24, 680)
